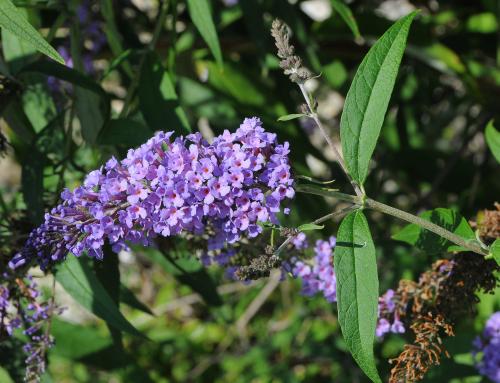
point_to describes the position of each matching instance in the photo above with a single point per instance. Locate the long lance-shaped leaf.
(346, 14)
(82, 284)
(368, 98)
(199, 10)
(14, 21)
(357, 290)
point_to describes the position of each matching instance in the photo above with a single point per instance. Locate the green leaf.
(124, 131)
(74, 341)
(357, 290)
(190, 272)
(107, 272)
(19, 122)
(493, 140)
(81, 283)
(432, 243)
(17, 52)
(199, 10)
(231, 81)
(118, 61)
(346, 14)
(495, 250)
(4, 376)
(310, 227)
(91, 108)
(61, 72)
(32, 182)
(91, 112)
(293, 116)
(13, 20)
(367, 100)
(158, 100)
(112, 35)
(128, 297)
(482, 23)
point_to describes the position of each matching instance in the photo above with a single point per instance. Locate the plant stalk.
(338, 157)
(324, 192)
(386, 209)
(436, 229)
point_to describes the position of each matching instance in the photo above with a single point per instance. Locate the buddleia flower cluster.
(317, 275)
(22, 308)
(487, 349)
(166, 188)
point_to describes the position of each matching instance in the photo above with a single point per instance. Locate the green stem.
(338, 157)
(324, 192)
(436, 229)
(386, 209)
(336, 213)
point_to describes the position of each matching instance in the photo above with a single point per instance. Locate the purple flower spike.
(489, 345)
(388, 320)
(319, 276)
(168, 188)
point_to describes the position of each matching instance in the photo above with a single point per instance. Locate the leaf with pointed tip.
(13, 20)
(357, 290)
(199, 10)
(368, 98)
(346, 14)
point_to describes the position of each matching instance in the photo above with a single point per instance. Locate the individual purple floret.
(319, 275)
(388, 317)
(166, 188)
(487, 349)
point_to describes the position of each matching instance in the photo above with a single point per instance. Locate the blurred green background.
(431, 154)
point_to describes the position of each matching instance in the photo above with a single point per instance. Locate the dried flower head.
(290, 62)
(425, 352)
(488, 224)
(431, 306)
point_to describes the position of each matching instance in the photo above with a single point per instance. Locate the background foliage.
(200, 65)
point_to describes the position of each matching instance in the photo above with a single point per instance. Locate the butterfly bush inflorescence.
(165, 188)
(489, 345)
